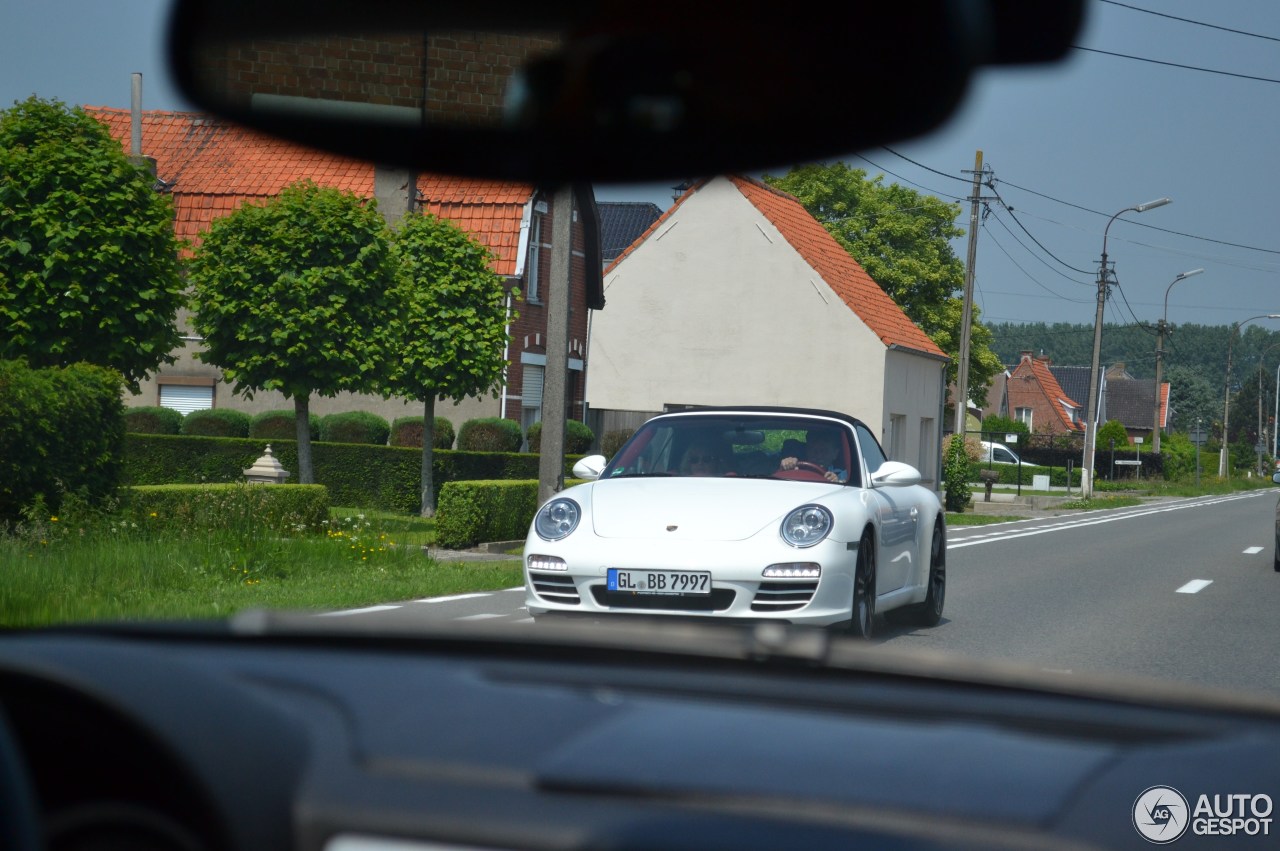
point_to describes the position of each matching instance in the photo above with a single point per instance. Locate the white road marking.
(1092, 518)
(517, 588)
(1195, 586)
(357, 611)
(478, 617)
(1253, 551)
(523, 620)
(451, 599)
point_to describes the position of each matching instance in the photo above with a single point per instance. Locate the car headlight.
(807, 525)
(557, 519)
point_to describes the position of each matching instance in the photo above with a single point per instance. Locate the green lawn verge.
(99, 567)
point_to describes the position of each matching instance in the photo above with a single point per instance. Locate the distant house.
(1036, 399)
(1132, 403)
(737, 295)
(210, 167)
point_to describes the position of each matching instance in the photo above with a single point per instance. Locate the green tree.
(1193, 399)
(294, 295)
(903, 240)
(998, 425)
(450, 327)
(1109, 431)
(88, 261)
(955, 474)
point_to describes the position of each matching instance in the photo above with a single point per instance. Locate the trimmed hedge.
(62, 433)
(152, 419)
(407, 431)
(490, 434)
(355, 427)
(281, 508)
(280, 425)
(383, 477)
(577, 437)
(471, 512)
(216, 422)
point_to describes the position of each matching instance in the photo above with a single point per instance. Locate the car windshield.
(239, 371)
(740, 446)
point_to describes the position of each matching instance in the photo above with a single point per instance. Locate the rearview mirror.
(604, 91)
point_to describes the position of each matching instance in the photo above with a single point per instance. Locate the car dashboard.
(280, 734)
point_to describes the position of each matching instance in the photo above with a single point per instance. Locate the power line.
(913, 183)
(1175, 64)
(1189, 20)
(1031, 277)
(922, 165)
(1033, 254)
(1009, 210)
(1142, 224)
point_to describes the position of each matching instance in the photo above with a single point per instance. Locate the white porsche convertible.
(746, 514)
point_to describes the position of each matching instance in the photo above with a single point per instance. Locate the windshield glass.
(239, 372)
(752, 446)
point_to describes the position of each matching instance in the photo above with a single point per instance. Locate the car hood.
(701, 509)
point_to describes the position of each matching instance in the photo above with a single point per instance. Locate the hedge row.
(383, 477)
(287, 508)
(471, 512)
(62, 431)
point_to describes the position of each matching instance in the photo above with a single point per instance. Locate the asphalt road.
(1179, 590)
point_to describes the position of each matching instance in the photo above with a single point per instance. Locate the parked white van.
(998, 453)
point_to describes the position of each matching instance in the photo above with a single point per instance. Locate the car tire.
(929, 613)
(862, 612)
(1276, 557)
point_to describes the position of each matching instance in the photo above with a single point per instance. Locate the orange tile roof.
(216, 166)
(841, 272)
(1052, 390)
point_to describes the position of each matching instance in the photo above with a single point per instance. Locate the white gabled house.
(738, 296)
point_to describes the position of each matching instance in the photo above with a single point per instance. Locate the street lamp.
(1164, 324)
(1226, 404)
(1091, 424)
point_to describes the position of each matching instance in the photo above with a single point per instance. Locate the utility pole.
(551, 458)
(966, 316)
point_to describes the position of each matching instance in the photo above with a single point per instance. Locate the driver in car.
(821, 450)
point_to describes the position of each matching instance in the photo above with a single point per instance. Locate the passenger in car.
(699, 459)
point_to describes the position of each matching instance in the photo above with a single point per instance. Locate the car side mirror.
(895, 474)
(590, 467)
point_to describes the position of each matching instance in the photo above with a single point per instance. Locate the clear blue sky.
(1098, 132)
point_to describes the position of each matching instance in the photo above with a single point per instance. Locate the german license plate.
(660, 581)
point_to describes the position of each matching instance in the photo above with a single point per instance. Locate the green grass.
(406, 528)
(969, 519)
(92, 567)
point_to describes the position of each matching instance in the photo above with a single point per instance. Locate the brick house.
(1036, 399)
(210, 167)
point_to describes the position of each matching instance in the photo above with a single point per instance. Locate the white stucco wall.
(716, 308)
(912, 400)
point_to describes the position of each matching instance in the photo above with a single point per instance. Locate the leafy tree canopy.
(450, 326)
(1109, 431)
(292, 295)
(903, 240)
(89, 265)
(451, 321)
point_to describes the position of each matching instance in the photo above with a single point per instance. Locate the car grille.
(717, 601)
(555, 588)
(783, 596)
